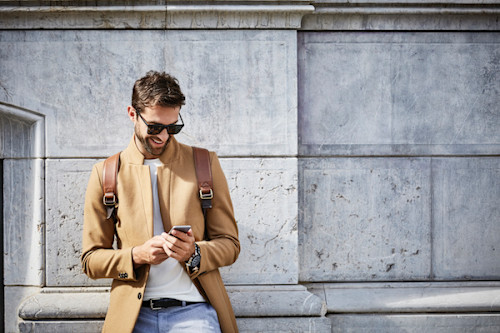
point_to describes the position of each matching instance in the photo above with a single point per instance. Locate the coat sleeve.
(221, 246)
(99, 259)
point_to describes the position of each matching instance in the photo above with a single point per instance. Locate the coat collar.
(132, 154)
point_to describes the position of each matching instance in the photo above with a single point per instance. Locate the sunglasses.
(157, 128)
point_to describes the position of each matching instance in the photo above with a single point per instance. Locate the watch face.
(196, 261)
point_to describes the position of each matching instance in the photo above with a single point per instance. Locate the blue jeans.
(196, 318)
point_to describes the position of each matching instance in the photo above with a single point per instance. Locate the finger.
(176, 246)
(173, 239)
(180, 235)
(156, 241)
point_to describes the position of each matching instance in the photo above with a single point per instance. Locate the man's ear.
(132, 113)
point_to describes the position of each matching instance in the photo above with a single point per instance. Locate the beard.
(145, 143)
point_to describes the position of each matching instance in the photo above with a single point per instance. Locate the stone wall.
(360, 140)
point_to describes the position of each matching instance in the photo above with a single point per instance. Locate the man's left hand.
(179, 245)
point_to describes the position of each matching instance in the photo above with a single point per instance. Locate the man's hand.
(152, 252)
(179, 245)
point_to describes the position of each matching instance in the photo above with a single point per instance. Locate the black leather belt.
(163, 303)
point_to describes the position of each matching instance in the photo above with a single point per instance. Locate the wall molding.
(409, 297)
(261, 16)
(324, 15)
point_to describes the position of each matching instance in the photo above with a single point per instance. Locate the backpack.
(203, 176)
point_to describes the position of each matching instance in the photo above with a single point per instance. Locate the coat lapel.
(142, 172)
(164, 179)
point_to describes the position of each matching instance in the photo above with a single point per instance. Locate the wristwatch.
(193, 264)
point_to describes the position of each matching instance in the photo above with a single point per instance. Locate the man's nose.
(163, 135)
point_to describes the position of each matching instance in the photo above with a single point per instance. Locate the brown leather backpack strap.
(109, 178)
(204, 177)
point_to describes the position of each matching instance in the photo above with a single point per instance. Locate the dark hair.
(156, 89)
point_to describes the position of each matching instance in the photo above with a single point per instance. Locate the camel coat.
(179, 205)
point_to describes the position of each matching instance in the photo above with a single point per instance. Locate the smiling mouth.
(157, 141)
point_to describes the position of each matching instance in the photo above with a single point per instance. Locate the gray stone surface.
(247, 301)
(245, 325)
(260, 15)
(357, 209)
(264, 193)
(365, 219)
(398, 93)
(53, 303)
(409, 297)
(435, 323)
(22, 132)
(23, 229)
(466, 216)
(15, 137)
(14, 297)
(59, 326)
(244, 104)
(64, 210)
(275, 301)
(403, 15)
(284, 324)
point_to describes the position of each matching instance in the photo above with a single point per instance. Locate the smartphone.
(183, 228)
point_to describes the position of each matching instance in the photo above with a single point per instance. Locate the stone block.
(68, 181)
(364, 219)
(264, 193)
(23, 218)
(14, 297)
(275, 301)
(466, 217)
(398, 93)
(240, 86)
(436, 323)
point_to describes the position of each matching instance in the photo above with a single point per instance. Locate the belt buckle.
(151, 304)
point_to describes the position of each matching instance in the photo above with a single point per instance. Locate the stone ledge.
(261, 325)
(400, 15)
(231, 16)
(323, 15)
(248, 301)
(415, 323)
(409, 297)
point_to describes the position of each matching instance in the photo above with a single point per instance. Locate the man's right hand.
(151, 252)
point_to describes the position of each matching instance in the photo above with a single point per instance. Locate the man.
(162, 281)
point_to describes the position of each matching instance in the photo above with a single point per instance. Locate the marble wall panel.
(466, 217)
(264, 193)
(16, 137)
(23, 222)
(398, 93)
(241, 86)
(364, 219)
(265, 197)
(67, 181)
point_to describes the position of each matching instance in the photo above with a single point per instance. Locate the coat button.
(139, 295)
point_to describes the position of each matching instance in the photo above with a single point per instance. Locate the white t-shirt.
(168, 279)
